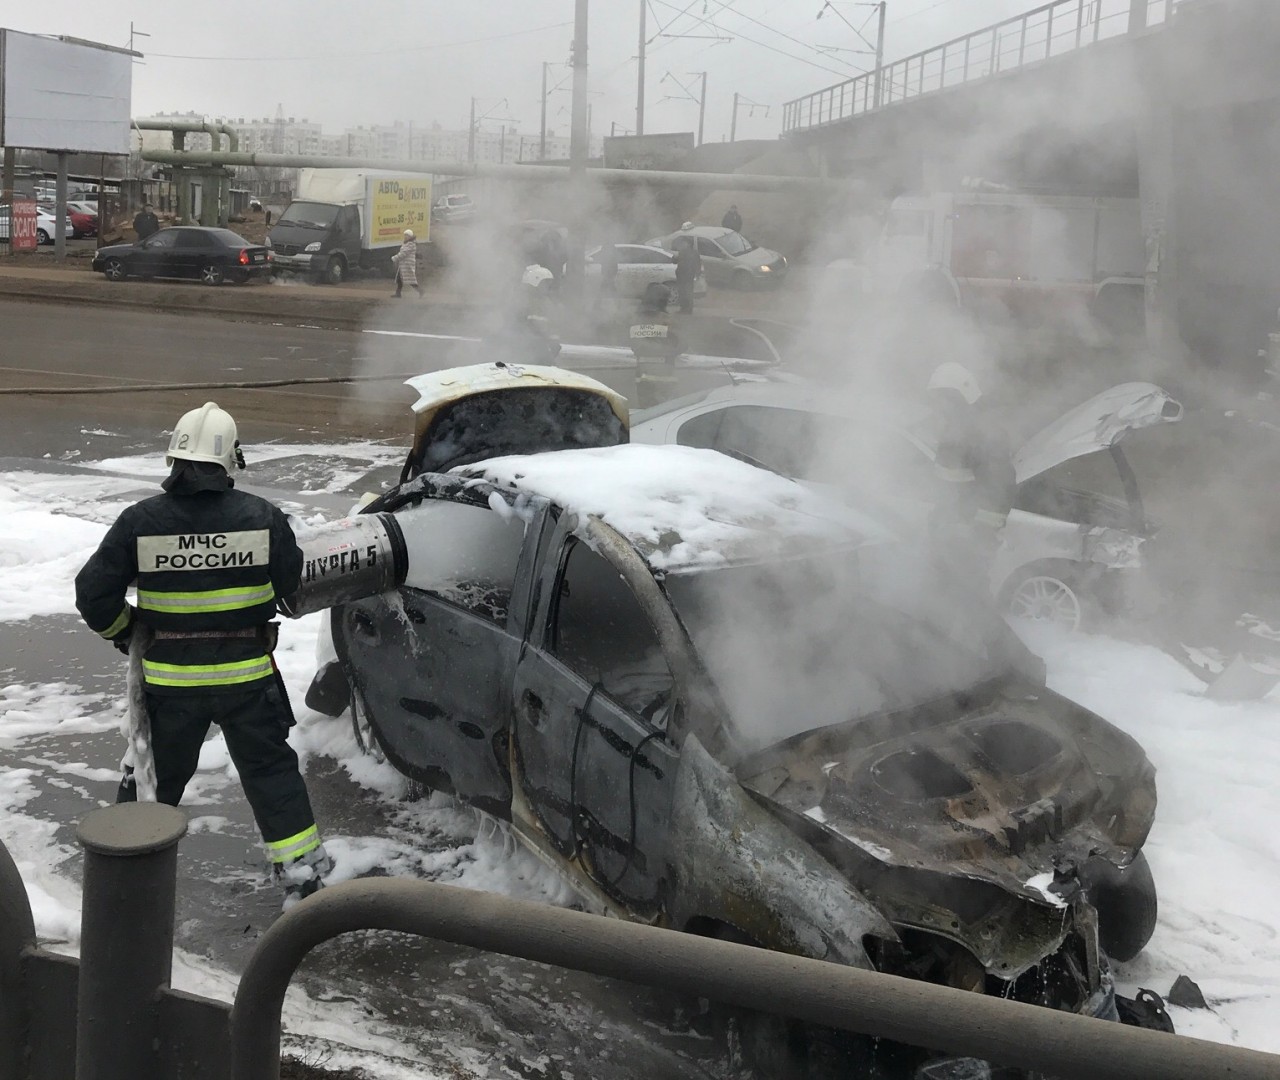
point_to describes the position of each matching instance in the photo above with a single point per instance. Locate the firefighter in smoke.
(975, 466)
(210, 563)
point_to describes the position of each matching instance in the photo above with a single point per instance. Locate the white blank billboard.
(63, 95)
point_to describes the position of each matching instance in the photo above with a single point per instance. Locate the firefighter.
(210, 563)
(975, 467)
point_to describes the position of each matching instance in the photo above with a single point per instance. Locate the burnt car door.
(430, 664)
(594, 703)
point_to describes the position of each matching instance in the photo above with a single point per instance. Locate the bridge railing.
(1049, 31)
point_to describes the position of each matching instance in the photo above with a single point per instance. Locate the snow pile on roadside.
(1215, 845)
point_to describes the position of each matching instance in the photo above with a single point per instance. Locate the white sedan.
(1061, 546)
(639, 266)
(46, 226)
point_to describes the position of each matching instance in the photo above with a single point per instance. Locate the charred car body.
(713, 702)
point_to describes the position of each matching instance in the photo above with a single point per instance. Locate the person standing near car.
(688, 267)
(732, 219)
(209, 563)
(974, 466)
(145, 222)
(406, 264)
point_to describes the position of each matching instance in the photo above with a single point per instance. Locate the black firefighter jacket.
(210, 563)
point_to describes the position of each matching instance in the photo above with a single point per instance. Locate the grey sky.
(421, 61)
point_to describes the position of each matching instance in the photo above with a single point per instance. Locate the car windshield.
(814, 641)
(735, 243)
(309, 214)
(228, 238)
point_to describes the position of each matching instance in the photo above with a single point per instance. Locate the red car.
(82, 223)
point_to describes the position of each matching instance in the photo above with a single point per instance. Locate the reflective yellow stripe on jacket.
(122, 620)
(292, 848)
(198, 603)
(196, 675)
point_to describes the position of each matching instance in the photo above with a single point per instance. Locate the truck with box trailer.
(344, 219)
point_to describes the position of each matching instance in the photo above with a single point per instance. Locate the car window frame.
(164, 240)
(675, 712)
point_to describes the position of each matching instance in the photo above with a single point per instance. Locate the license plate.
(649, 330)
(259, 256)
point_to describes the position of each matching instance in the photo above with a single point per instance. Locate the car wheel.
(1126, 904)
(1046, 592)
(362, 729)
(743, 280)
(113, 270)
(211, 274)
(43, 237)
(335, 271)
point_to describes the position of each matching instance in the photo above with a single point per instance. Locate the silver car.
(728, 257)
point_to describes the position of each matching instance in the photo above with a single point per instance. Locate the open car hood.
(468, 414)
(1097, 424)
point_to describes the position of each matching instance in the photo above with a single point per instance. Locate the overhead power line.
(380, 52)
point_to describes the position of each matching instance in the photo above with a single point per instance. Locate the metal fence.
(113, 1016)
(1047, 32)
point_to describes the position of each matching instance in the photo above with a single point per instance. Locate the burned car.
(1065, 542)
(717, 701)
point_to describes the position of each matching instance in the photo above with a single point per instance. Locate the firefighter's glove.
(239, 455)
(271, 636)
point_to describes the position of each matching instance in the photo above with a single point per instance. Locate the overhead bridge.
(1037, 37)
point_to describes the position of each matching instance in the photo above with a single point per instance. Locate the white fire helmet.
(957, 377)
(408, 234)
(205, 434)
(686, 225)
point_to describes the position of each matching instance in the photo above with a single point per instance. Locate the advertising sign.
(23, 233)
(396, 204)
(664, 150)
(64, 94)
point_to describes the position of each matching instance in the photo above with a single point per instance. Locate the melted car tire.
(1125, 901)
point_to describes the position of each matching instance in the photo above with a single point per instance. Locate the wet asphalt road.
(475, 1014)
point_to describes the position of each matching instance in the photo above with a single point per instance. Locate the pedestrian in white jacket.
(406, 262)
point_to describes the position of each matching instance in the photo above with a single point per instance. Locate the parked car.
(728, 257)
(46, 225)
(453, 209)
(1063, 548)
(639, 266)
(210, 255)
(717, 700)
(83, 223)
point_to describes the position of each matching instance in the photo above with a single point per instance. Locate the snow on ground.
(1215, 847)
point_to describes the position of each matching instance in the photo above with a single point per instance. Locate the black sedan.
(188, 251)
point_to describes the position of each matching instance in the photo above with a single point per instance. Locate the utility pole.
(471, 133)
(542, 140)
(640, 76)
(733, 124)
(574, 272)
(702, 107)
(880, 56)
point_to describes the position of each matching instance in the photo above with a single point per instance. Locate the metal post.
(1079, 23)
(1137, 15)
(702, 107)
(17, 935)
(471, 133)
(1022, 43)
(542, 137)
(574, 271)
(640, 73)
(1048, 35)
(502, 146)
(126, 936)
(60, 209)
(733, 124)
(6, 188)
(880, 56)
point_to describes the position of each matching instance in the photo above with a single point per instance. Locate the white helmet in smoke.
(408, 234)
(957, 377)
(205, 434)
(687, 225)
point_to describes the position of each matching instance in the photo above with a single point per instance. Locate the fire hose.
(248, 384)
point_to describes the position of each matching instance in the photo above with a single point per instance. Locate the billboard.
(61, 94)
(664, 150)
